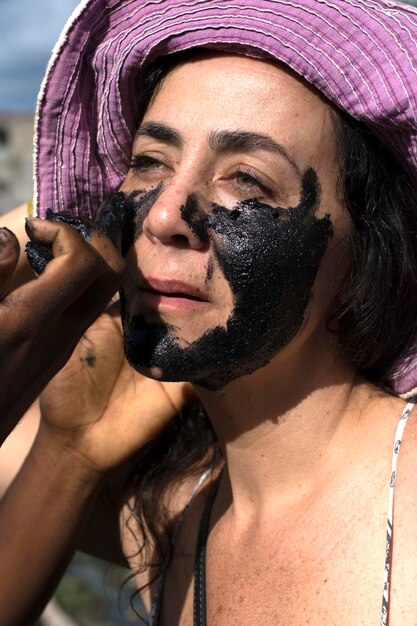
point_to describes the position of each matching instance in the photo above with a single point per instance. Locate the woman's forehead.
(237, 78)
(219, 92)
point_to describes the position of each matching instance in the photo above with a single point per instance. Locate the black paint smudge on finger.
(89, 359)
(39, 255)
(83, 226)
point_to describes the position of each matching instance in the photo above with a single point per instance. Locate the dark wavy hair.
(376, 322)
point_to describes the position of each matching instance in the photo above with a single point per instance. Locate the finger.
(100, 290)
(63, 239)
(75, 266)
(91, 232)
(106, 248)
(83, 226)
(49, 241)
(108, 251)
(9, 256)
(100, 287)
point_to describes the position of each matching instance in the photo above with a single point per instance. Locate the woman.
(270, 241)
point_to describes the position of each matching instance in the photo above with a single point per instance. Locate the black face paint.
(197, 220)
(270, 258)
(39, 255)
(210, 270)
(125, 214)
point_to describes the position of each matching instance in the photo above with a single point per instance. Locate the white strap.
(395, 453)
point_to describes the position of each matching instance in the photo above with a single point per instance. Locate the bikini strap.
(390, 517)
(157, 597)
(200, 559)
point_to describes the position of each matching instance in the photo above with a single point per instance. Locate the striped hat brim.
(361, 54)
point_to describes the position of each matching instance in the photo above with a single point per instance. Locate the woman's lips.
(157, 294)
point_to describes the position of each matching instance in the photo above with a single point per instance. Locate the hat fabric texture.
(361, 54)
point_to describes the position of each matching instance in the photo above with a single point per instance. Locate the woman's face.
(230, 221)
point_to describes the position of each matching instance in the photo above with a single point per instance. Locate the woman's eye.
(145, 163)
(250, 183)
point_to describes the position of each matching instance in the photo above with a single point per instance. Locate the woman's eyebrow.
(233, 140)
(219, 140)
(156, 130)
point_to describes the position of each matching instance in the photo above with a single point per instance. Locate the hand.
(42, 321)
(99, 408)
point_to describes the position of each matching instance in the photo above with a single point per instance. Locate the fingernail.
(29, 226)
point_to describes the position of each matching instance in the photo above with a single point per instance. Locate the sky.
(28, 32)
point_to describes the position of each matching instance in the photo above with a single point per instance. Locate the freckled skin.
(270, 257)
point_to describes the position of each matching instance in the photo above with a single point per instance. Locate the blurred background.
(28, 31)
(92, 592)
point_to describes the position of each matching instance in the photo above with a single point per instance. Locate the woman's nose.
(171, 219)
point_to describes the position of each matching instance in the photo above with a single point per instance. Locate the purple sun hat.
(361, 54)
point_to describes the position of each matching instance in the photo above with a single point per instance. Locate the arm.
(101, 534)
(41, 518)
(18, 443)
(94, 419)
(135, 394)
(41, 322)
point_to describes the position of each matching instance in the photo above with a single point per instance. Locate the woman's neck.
(283, 429)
